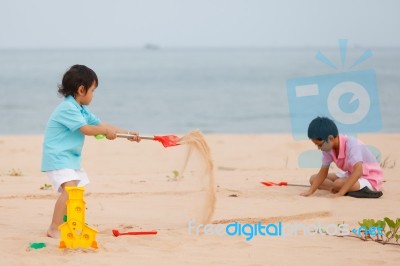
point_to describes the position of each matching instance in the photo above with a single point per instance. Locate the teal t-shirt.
(63, 141)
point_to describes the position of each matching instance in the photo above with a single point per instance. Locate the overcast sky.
(193, 23)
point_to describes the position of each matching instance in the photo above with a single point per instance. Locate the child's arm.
(319, 179)
(121, 130)
(91, 130)
(117, 129)
(353, 178)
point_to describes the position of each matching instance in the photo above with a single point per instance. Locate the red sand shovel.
(166, 141)
(283, 183)
(118, 233)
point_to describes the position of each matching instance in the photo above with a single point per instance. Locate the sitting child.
(362, 172)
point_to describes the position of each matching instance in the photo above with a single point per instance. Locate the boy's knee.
(72, 183)
(312, 178)
(338, 183)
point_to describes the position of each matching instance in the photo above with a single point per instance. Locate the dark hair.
(76, 76)
(321, 128)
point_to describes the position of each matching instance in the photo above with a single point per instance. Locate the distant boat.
(150, 46)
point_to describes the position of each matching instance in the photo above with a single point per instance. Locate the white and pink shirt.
(352, 151)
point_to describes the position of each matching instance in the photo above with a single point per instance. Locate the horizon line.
(155, 47)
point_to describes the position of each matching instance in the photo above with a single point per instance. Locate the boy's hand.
(337, 195)
(135, 136)
(111, 134)
(306, 193)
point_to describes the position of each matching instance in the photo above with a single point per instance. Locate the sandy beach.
(133, 188)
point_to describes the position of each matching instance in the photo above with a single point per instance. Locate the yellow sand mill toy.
(74, 232)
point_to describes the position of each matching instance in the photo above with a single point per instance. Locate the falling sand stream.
(196, 142)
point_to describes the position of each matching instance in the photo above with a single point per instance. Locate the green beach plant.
(387, 163)
(15, 172)
(175, 176)
(384, 231)
(46, 187)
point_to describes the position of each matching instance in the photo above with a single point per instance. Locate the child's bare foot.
(53, 233)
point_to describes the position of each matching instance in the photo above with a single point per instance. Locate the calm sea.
(160, 91)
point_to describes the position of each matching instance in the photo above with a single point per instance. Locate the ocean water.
(171, 90)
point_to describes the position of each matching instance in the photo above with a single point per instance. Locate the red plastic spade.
(283, 183)
(117, 233)
(166, 141)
